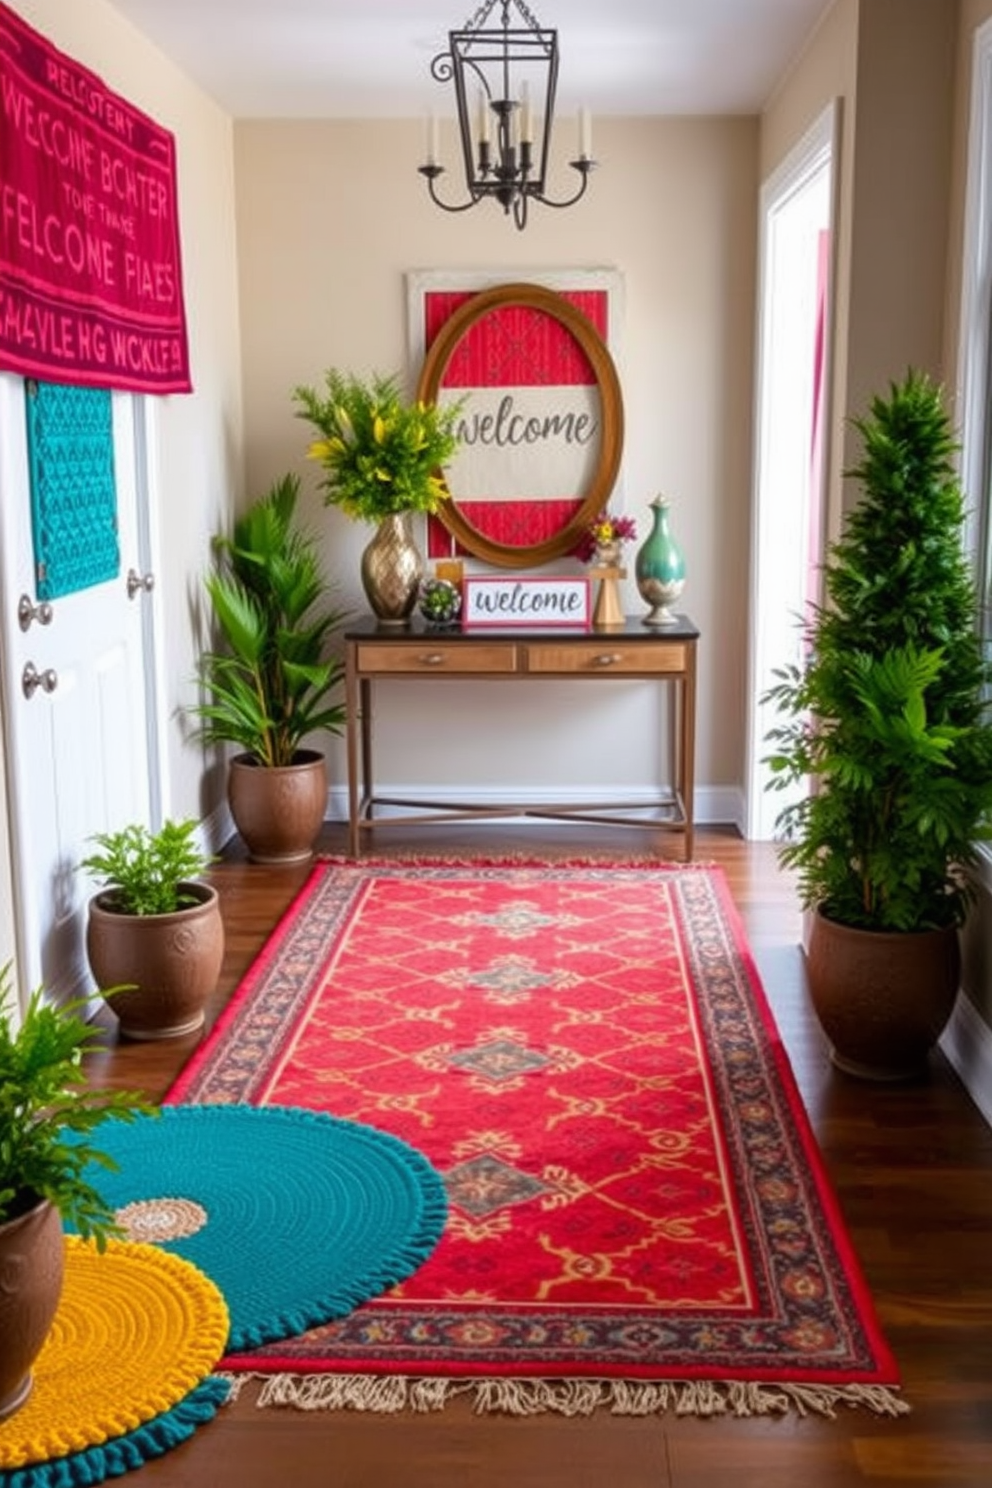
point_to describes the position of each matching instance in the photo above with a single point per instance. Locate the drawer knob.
(608, 658)
(433, 658)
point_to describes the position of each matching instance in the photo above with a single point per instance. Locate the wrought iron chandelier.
(505, 79)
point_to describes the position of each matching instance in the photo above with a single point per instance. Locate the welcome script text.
(506, 427)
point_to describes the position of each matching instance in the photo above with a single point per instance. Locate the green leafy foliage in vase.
(887, 715)
(48, 1112)
(147, 870)
(273, 683)
(380, 454)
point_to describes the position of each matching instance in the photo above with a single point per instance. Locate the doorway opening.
(795, 260)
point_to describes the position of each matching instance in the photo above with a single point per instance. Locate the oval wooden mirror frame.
(596, 497)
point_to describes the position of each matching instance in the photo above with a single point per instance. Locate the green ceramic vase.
(660, 567)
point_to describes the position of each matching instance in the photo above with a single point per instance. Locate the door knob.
(136, 582)
(26, 612)
(32, 679)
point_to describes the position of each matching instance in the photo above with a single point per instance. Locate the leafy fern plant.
(886, 717)
(48, 1112)
(272, 683)
(147, 870)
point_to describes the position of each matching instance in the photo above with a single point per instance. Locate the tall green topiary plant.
(887, 714)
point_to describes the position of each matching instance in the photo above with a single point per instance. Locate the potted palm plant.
(271, 683)
(154, 932)
(886, 720)
(44, 1096)
(382, 459)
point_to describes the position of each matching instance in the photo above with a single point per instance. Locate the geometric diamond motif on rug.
(517, 921)
(510, 979)
(484, 1185)
(500, 1059)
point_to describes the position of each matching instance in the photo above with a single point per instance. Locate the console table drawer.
(601, 658)
(429, 657)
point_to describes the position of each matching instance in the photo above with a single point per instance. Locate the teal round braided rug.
(297, 1216)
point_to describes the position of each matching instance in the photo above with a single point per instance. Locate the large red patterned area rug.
(639, 1216)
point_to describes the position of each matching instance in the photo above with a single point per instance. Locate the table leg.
(365, 715)
(351, 728)
(687, 763)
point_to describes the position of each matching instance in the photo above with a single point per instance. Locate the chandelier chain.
(483, 11)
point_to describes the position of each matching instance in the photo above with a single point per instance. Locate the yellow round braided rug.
(136, 1331)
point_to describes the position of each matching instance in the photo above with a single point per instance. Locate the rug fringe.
(390, 1394)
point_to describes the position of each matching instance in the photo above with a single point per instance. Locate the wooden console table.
(375, 653)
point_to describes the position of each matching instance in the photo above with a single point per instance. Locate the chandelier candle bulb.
(432, 139)
(483, 120)
(585, 135)
(526, 116)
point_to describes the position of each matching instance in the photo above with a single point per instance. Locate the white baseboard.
(967, 1043)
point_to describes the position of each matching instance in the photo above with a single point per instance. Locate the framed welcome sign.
(541, 422)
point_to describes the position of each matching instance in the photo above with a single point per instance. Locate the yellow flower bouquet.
(380, 453)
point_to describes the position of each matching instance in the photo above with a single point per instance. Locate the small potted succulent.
(154, 932)
(440, 602)
(45, 1097)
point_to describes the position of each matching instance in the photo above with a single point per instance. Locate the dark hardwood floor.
(912, 1166)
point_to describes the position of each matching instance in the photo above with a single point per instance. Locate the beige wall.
(906, 67)
(199, 469)
(332, 215)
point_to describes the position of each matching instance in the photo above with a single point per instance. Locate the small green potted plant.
(382, 459)
(886, 722)
(154, 931)
(45, 1097)
(271, 682)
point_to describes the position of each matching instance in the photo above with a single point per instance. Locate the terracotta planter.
(169, 962)
(32, 1261)
(278, 810)
(883, 998)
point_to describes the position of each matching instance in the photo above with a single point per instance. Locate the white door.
(77, 735)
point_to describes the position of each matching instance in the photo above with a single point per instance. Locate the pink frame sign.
(534, 603)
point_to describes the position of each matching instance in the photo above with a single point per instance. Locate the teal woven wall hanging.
(73, 489)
